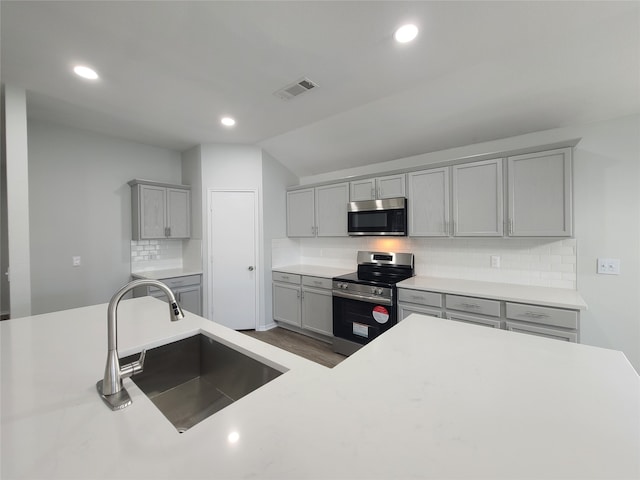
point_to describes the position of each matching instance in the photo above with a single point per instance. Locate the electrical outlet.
(609, 266)
(76, 261)
(495, 261)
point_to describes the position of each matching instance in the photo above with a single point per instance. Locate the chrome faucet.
(110, 387)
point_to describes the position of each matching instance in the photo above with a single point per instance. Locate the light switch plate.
(76, 261)
(608, 266)
(495, 261)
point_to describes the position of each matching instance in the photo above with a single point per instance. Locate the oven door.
(360, 319)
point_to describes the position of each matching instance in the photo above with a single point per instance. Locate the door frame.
(209, 253)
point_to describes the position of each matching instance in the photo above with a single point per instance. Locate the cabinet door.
(152, 211)
(331, 210)
(539, 194)
(477, 199)
(178, 213)
(391, 186)
(317, 311)
(286, 303)
(429, 203)
(190, 299)
(362, 190)
(301, 219)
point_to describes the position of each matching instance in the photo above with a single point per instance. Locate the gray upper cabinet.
(539, 194)
(390, 186)
(331, 210)
(477, 199)
(301, 216)
(319, 211)
(159, 210)
(429, 203)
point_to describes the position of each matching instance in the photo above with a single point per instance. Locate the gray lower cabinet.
(478, 311)
(286, 303)
(557, 323)
(550, 322)
(187, 290)
(303, 301)
(417, 301)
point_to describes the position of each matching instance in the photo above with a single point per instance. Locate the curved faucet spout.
(110, 387)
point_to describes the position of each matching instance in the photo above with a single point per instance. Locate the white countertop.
(314, 270)
(428, 399)
(552, 297)
(167, 273)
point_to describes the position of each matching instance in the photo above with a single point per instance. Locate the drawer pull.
(285, 277)
(317, 282)
(535, 315)
(416, 297)
(470, 305)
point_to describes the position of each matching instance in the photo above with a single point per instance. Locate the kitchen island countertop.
(428, 399)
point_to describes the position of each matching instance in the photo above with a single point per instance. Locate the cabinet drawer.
(486, 322)
(473, 305)
(422, 298)
(543, 315)
(285, 277)
(317, 282)
(176, 282)
(405, 310)
(546, 332)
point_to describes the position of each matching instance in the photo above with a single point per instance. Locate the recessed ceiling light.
(228, 121)
(85, 72)
(406, 33)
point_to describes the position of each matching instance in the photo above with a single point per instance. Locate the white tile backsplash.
(525, 261)
(155, 255)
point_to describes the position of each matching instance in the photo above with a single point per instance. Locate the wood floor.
(309, 348)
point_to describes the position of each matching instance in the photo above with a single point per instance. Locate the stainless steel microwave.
(378, 217)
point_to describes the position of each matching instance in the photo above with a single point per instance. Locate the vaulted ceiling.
(477, 71)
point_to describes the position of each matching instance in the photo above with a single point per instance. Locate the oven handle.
(363, 298)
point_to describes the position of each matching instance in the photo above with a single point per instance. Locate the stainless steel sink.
(191, 379)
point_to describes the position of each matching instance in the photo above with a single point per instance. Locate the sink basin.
(191, 379)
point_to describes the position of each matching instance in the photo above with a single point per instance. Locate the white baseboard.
(264, 328)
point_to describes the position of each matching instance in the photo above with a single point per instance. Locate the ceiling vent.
(297, 88)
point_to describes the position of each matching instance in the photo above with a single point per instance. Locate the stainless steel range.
(365, 302)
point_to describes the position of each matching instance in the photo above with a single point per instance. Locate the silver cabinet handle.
(470, 305)
(250, 268)
(510, 226)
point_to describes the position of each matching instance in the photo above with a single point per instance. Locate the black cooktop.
(387, 278)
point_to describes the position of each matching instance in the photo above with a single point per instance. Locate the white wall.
(607, 223)
(80, 205)
(275, 179)
(17, 194)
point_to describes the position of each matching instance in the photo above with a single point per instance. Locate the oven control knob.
(379, 291)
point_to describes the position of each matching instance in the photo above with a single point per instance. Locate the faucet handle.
(135, 367)
(140, 362)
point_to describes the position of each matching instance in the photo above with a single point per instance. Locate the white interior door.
(233, 299)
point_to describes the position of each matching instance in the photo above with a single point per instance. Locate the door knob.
(251, 269)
